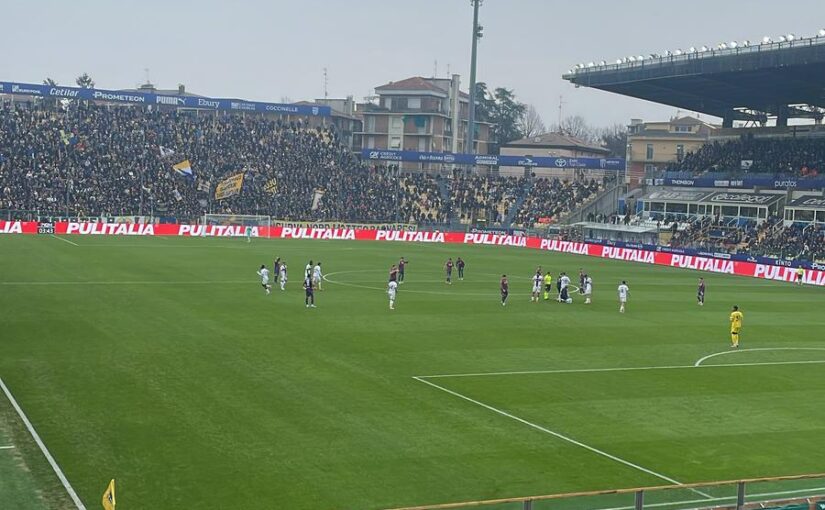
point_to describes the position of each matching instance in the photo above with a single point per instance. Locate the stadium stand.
(551, 198)
(790, 156)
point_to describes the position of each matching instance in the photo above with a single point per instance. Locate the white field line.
(65, 240)
(709, 356)
(59, 472)
(7, 447)
(622, 369)
(558, 435)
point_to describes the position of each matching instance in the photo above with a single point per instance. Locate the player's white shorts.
(622, 299)
(391, 294)
(537, 288)
(316, 278)
(265, 281)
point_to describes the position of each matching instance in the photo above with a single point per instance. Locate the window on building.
(414, 103)
(370, 124)
(397, 123)
(649, 152)
(370, 142)
(422, 144)
(680, 152)
(395, 142)
(683, 129)
(388, 103)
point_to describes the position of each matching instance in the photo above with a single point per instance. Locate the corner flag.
(109, 496)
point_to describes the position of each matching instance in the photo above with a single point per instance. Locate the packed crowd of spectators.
(796, 156)
(487, 197)
(550, 199)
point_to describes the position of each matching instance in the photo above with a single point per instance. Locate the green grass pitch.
(161, 362)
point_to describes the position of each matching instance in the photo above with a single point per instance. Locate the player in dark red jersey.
(460, 265)
(505, 289)
(448, 268)
(582, 280)
(393, 273)
(700, 292)
(401, 265)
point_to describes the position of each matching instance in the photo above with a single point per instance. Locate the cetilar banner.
(493, 160)
(151, 98)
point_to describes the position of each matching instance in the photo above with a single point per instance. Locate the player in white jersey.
(392, 289)
(317, 276)
(564, 289)
(263, 272)
(624, 291)
(588, 289)
(537, 279)
(282, 276)
(308, 270)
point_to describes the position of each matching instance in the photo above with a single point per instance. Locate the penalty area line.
(53, 463)
(65, 240)
(559, 436)
(7, 447)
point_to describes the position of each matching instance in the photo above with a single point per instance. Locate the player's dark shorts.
(700, 296)
(309, 292)
(504, 294)
(548, 287)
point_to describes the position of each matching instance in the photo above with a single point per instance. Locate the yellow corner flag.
(109, 496)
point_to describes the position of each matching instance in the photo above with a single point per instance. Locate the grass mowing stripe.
(7, 447)
(560, 436)
(59, 472)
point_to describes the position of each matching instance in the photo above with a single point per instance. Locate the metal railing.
(729, 494)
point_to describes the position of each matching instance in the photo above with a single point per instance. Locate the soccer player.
(283, 275)
(317, 276)
(623, 291)
(448, 268)
(393, 273)
(564, 293)
(582, 280)
(800, 275)
(460, 265)
(548, 285)
(537, 279)
(248, 234)
(700, 292)
(392, 288)
(505, 289)
(588, 289)
(401, 265)
(308, 270)
(276, 269)
(735, 326)
(263, 272)
(309, 299)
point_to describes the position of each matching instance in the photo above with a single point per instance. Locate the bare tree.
(577, 127)
(531, 123)
(614, 138)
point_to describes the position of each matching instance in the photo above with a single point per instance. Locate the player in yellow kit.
(548, 285)
(735, 326)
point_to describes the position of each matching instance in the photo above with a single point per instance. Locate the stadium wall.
(778, 271)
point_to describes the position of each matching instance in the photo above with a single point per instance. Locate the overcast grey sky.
(268, 49)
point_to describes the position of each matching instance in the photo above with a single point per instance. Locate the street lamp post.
(470, 138)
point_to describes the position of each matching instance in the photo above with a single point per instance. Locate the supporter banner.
(149, 98)
(493, 160)
(760, 182)
(229, 187)
(769, 269)
(336, 224)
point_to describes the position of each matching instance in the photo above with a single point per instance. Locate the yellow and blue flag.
(109, 496)
(184, 168)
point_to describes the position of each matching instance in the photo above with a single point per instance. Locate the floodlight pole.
(470, 146)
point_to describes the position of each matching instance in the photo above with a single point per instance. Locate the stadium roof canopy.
(738, 82)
